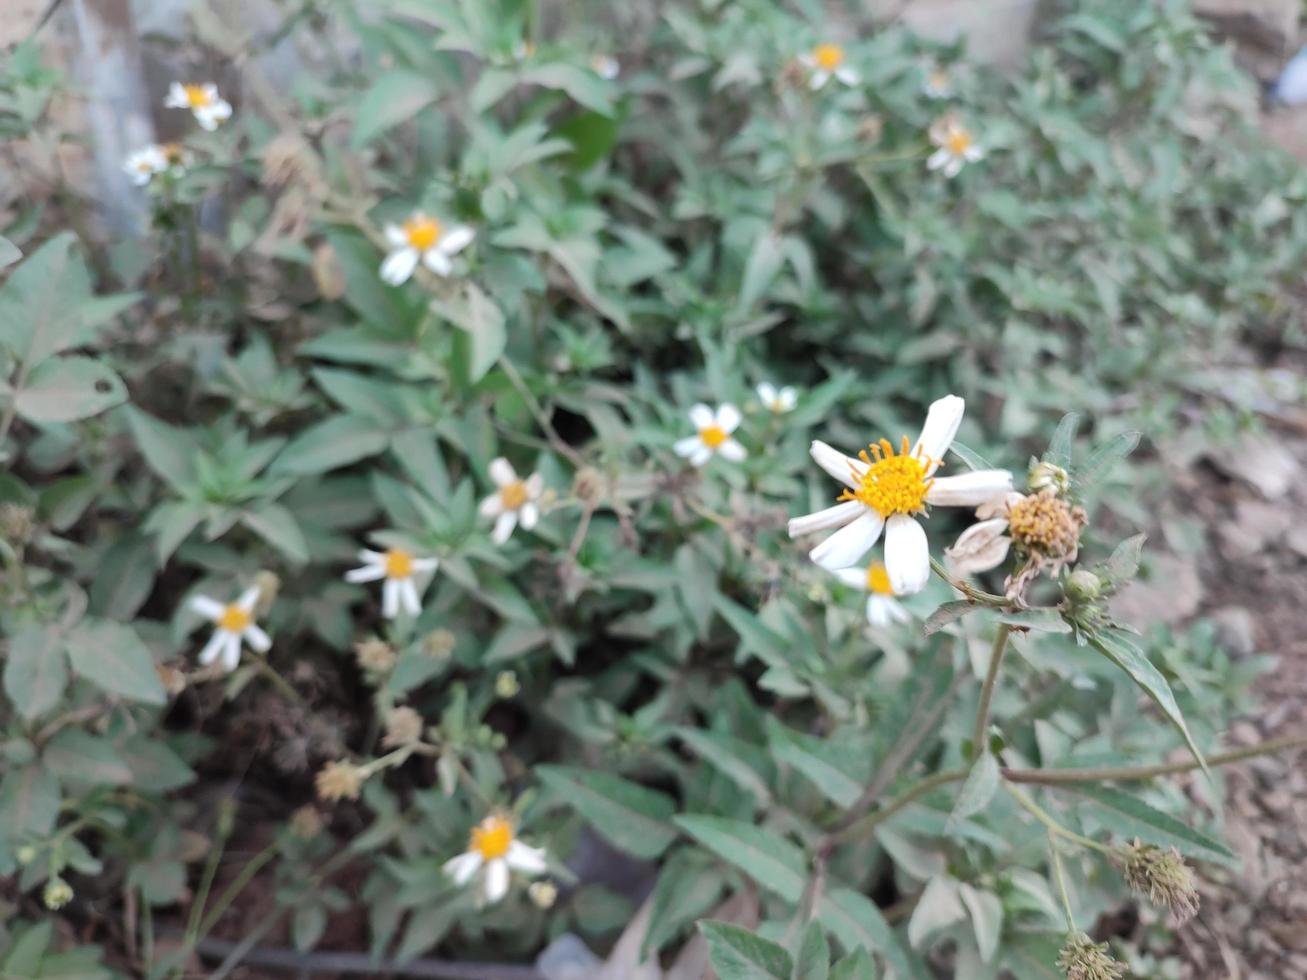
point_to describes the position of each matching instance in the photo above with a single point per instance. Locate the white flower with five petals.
(956, 144)
(713, 435)
(426, 240)
(494, 852)
(887, 491)
(233, 622)
(882, 608)
(515, 502)
(144, 164)
(399, 568)
(827, 61)
(777, 400)
(206, 105)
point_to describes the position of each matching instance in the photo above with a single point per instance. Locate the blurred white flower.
(233, 622)
(777, 400)
(885, 493)
(421, 238)
(494, 852)
(143, 164)
(515, 502)
(713, 435)
(206, 105)
(937, 83)
(957, 147)
(523, 49)
(606, 66)
(398, 568)
(826, 61)
(882, 608)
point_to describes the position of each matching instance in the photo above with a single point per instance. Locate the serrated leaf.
(111, 656)
(482, 323)
(1132, 817)
(756, 636)
(857, 922)
(687, 887)
(277, 525)
(167, 450)
(738, 954)
(154, 766)
(815, 761)
(36, 671)
(760, 269)
(29, 802)
(769, 859)
(1123, 564)
(977, 792)
(633, 817)
(1059, 447)
(64, 389)
(395, 97)
(1102, 459)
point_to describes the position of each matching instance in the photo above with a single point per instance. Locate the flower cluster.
(209, 109)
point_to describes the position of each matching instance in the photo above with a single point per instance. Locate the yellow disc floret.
(514, 495)
(878, 579)
(197, 96)
(892, 484)
(234, 619)
(713, 435)
(958, 141)
(422, 232)
(828, 57)
(399, 564)
(491, 838)
(1046, 524)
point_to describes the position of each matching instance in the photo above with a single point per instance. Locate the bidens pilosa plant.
(415, 527)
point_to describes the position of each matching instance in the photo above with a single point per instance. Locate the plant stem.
(867, 824)
(1060, 876)
(972, 593)
(1044, 817)
(987, 689)
(278, 681)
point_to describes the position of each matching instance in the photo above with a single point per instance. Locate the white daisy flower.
(606, 66)
(142, 165)
(777, 400)
(398, 568)
(936, 83)
(957, 147)
(422, 238)
(233, 623)
(494, 852)
(206, 105)
(885, 493)
(826, 61)
(515, 502)
(882, 608)
(713, 435)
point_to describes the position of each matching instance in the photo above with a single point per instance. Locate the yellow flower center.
(878, 579)
(713, 436)
(828, 56)
(144, 166)
(892, 484)
(958, 141)
(422, 232)
(514, 495)
(491, 838)
(198, 96)
(399, 564)
(234, 619)
(939, 78)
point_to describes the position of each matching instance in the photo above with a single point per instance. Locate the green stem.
(1060, 876)
(987, 689)
(972, 593)
(232, 891)
(870, 822)
(1044, 817)
(266, 669)
(193, 920)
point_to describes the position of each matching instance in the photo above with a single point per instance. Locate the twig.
(987, 688)
(869, 823)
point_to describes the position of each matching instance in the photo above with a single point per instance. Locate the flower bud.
(507, 685)
(1044, 474)
(374, 654)
(25, 855)
(269, 584)
(1082, 586)
(57, 894)
(543, 893)
(1083, 959)
(403, 727)
(306, 822)
(16, 523)
(1161, 876)
(588, 484)
(340, 780)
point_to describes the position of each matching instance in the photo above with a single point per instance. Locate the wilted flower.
(143, 164)
(777, 400)
(1161, 876)
(339, 780)
(57, 894)
(882, 608)
(438, 643)
(208, 108)
(957, 147)
(514, 502)
(936, 83)
(494, 851)
(17, 522)
(543, 893)
(1043, 527)
(827, 61)
(403, 727)
(606, 66)
(398, 568)
(424, 239)
(1083, 959)
(233, 623)
(713, 435)
(507, 685)
(886, 491)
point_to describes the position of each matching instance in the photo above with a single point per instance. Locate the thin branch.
(987, 689)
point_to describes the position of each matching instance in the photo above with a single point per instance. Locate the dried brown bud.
(340, 780)
(1044, 524)
(16, 523)
(328, 275)
(374, 654)
(1161, 876)
(306, 822)
(403, 727)
(1083, 959)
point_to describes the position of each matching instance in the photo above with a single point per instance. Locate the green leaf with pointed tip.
(1059, 447)
(1102, 459)
(65, 389)
(633, 817)
(767, 858)
(858, 965)
(111, 656)
(977, 791)
(1130, 816)
(36, 671)
(813, 962)
(857, 922)
(738, 954)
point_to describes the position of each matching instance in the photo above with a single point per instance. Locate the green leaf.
(770, 646)
(738, 954)
(856, 922)
(973, 459)
(814, 955)
(1042, 620)
(395, 97)
(1059, 447)
(1102, 459)
(334, 442)
(761, 268)
(821, 763)
(977, 792)
(1129, 816)
(277, 525)
(949, 612)
(65, 389)
(583, 86)
(36, 671)
(687, 887)
(1123, 564)
(767, 858)
(727, 754)
(986, 911)
(858, 965)
(482, 323)
(9, 253)
(168, 451)
(111, 656)
(1118, 647)
(154, 766)
(124, 577)
(29, 802)
(77, 755)
(633, 817)
(40, 302)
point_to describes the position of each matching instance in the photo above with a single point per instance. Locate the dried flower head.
(57, 894)
(374, 654)
(306, 822)
(340, 780)
(403, 727)
(438, 643)
(1046, 525)
(269, 584)
(1083, 959)
(16, 523)
(1161, 876)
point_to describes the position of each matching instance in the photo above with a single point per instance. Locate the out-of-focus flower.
(516, 501)
(827, 61)
(375, 654)
(936, 82)
(956, 147)
(422, 239)
(306, 822)
(543, 893)
(507, 684)
(606, 66)
(713, 435)
(494, 852)
(882, 608)
(144, 164)
(340, 780)
(57, 894)
(777, 400)
(233, 622)
(206, 105)
(403, 727)
(1044, 528)
(887, 490)
(398, 568)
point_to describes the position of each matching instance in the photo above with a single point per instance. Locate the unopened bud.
(507, 685)
(1083, 959)
(57, 894)
(543, 893)
(374, 654)
(403, 727)
(306, 822)
(25, 855)
(16, 523)
(340, 780)
(1082, 586)
(269, 584)
(1045, 474)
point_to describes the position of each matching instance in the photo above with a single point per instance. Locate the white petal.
(249, 598)
(399, 266)
(973, 153)
(370, 557)
(216, 642)
(979, 548)
(390, 599)
(855, 577)
(942, 421)
(728, 417)
(939, 158)
(907, 554)
(463, 868)
(877, 614)
(528, 515)
(496, 882)
(231, 652)
(823, 520)
(437, 262)
(492, 506)
(456, 239)
(895, 609)
(849, 76)
(502, 472)
(257, 639)
(819, 79)
(206, 607)
(220, 110)
(535, 486)
(408, 596)
(766, 393)
(526, 859)
(368, 573)
(504, 527)
(788, 398)
(997, 506)
(953, 167)
(702, 416)
(837, 464)
(204, 116)
(969, 489)
(701, 455)
(687, 446)
(176, 98)
(396, 236)
(732, 450)
(425, 564)
(847, 545)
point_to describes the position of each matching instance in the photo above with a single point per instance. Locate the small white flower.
(777, 400)
(233, 623)
(206, 105)
(398, 568)
(957, 147)
(425, 239)
(143, 164)
(936, 82)
(886, 492)
(882, 608)
(514, 502)
(713, 435)
(826, 61)
(494, 852)
(606, 66)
